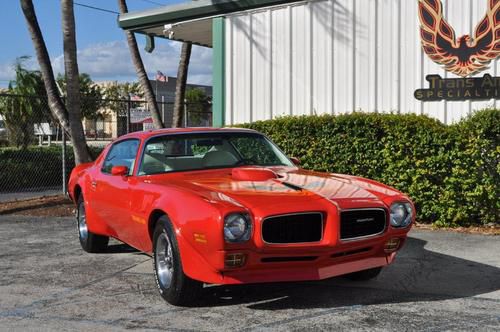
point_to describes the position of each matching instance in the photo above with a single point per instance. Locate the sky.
(102, 49)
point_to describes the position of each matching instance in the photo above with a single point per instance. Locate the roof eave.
(190, 11)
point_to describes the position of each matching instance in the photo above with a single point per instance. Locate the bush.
(34, 167)
(450, 172)
(472, 187)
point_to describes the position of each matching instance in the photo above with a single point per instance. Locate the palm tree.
(141, 72)
(82, 154)
(180, 88)
(55, 102)
(70, 121)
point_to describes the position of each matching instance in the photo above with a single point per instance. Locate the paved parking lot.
(441, 281)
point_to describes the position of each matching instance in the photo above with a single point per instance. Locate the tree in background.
(117, 93)
(141, 72)
(91, 95)
(69, 117)
(198, 105)
(21, 113)
(180, 88)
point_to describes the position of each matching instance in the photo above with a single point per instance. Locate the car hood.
(288, 187)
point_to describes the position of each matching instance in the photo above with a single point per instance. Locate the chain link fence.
(36, 157)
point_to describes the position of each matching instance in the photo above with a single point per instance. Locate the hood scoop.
(252, 174)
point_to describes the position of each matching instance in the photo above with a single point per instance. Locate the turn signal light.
(392, 245)
(235, 260)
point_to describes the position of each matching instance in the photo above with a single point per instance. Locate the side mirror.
(119, 170)
(295, 161)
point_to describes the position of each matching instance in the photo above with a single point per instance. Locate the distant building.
(166, 90)
(110, 124)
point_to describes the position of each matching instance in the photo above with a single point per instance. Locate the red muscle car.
(227, 206)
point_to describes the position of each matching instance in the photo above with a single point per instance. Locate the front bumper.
(305, 263)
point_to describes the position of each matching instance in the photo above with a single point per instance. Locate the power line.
(96, 8)
(154, 2)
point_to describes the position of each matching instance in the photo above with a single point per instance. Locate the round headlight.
(237, 227)
(401, 214)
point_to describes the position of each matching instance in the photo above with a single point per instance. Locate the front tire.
(89, 241)
(174, 286)
(364, 275)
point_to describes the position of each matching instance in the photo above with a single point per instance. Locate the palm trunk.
(80, 148)
(180, 88)
(55, 103)
(141, 72)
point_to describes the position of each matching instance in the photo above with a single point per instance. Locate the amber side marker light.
(235, 260)
(392, 245)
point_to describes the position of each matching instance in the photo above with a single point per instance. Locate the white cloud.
(6, 73)
(111, 61)
(7, 69)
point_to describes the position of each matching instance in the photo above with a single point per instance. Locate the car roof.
(149, 133)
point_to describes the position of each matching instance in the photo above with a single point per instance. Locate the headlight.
(237, 227)
(401, 214)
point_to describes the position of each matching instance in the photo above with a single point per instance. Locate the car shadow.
(417, 275)
(119, 248)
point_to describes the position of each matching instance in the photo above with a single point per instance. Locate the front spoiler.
(303, 273)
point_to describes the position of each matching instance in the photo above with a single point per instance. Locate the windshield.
(185, 152)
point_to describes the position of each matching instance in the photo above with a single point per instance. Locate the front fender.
(198, 225)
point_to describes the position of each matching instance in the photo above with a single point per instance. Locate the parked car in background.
(227, 206)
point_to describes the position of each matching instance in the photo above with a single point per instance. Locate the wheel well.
(77, 193)
(153, 218)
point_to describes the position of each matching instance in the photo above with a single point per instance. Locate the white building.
(274, 58)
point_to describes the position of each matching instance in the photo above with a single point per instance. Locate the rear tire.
(174, 286)
(364, 275)
(89, 241)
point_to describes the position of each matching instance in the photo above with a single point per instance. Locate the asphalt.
(440, 281)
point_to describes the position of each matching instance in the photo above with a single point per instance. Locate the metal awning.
(190, 21)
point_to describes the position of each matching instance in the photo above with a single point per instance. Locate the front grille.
(360, 223)
(293, 228)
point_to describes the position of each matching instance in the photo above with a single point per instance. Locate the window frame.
(131, 172)
(138, 165)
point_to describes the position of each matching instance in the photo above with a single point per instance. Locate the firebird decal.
(464, 56)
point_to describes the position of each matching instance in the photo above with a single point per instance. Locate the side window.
(121, 154)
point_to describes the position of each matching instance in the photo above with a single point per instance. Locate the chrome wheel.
(82, 222)
(164, 260)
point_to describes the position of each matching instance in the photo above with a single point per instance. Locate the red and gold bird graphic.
(464, 56)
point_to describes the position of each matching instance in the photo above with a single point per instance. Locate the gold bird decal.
(465, 56)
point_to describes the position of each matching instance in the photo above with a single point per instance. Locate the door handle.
(93, 184)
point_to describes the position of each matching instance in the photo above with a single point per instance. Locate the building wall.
(337, 56)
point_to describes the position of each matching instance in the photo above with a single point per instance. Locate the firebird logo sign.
(464, 56)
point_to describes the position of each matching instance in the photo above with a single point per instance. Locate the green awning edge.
(218, 70)
(136, 21)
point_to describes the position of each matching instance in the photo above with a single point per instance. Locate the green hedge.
(34, 167)
(451, 172)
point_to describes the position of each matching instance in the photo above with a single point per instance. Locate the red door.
(112, 197)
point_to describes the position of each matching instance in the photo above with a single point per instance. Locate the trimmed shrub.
(429, 161)
(472, 187)
(34, 167)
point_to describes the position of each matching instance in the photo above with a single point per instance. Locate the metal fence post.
(63, 161)
(128, 114)
(185, 114)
